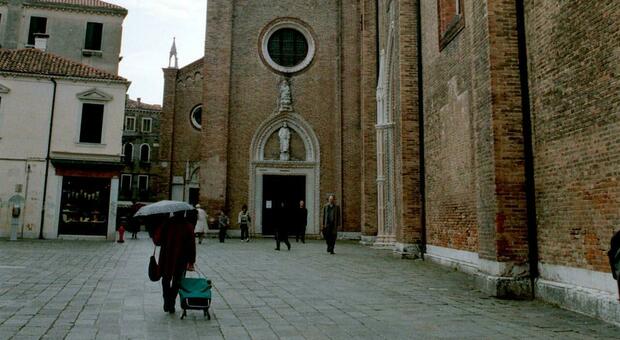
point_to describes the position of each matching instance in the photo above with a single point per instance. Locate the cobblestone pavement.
(86, 290)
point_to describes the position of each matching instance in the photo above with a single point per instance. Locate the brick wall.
(328, 101)
(451, 216)
(368, 119)
(409, 226)
(575, 85)
(216, 99)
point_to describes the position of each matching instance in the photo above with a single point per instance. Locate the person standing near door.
(331, 222)
(244, 221)
(301, 220)
(282, 222)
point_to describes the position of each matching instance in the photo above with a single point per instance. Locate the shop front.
(87, 198)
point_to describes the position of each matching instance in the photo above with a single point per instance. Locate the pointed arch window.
(451, 20)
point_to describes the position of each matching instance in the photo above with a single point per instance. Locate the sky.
(148, 30)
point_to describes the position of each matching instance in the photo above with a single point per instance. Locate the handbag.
(154, 271)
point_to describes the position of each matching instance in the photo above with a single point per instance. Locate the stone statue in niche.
(285, 103)
(285, 139)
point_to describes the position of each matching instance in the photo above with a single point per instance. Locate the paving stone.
(100, 290)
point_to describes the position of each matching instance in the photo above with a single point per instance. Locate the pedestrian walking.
(331, 223)
(244, 221)
(177, 254)
(282, 222)
(134, 227)
(301, 221)
(614, 259)
(224, 223)
(201, 223)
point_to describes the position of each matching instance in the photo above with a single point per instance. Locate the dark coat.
(302, 217)
(331, 229)
(614, 255)
(178, 248)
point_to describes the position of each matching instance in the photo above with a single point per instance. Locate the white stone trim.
(95, 95)
(311, 168)
(4, 89)
(346, 235)
(578, 277)
(465, 261)
(293, 24)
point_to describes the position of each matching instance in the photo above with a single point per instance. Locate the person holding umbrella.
(177, 254)
(178, 248)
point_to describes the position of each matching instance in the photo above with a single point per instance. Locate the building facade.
(61, 171)
(86, 31)
(139, 178)
(505, 126)
(280, 96)
(481, 135)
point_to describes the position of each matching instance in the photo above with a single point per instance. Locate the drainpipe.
(530, 184)
(421, 130)
(26, 196)
(47, 159)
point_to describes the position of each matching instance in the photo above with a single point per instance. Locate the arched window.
(196, 117)
(128, 152)
(145, 153)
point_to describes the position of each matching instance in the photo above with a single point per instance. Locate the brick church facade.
(482, 135)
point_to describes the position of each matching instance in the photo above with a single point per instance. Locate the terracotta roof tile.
(94, 4)
(32, 61)
(136, 105)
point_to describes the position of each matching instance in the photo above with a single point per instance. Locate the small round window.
(287, 47)
(196, 117)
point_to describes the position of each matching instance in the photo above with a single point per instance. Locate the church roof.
(32, 61)
(79, 5)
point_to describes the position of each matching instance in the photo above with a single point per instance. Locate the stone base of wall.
(469, 262)
(591, 302)
(519, 288)
(368, 241)
(407, 251)
(349, 236)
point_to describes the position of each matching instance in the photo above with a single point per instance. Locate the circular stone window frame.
(192, 120)
(297, 25)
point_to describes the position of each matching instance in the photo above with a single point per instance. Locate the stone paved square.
(100, 290)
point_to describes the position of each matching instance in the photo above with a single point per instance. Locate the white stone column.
(111, 235)
(385, 189)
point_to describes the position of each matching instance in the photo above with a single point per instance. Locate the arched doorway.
(278, 180)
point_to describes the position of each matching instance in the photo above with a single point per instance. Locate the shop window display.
(84, 206)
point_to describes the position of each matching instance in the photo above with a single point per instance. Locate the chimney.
(40, 41)
(139, 100)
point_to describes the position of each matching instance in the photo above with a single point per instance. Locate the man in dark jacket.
(331, 223)
(614, 259)
(301, 221)
(177, 254)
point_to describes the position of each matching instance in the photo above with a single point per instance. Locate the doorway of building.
(281, 194)
(194, 196)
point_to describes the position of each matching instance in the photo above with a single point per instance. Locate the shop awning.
(84, 168)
